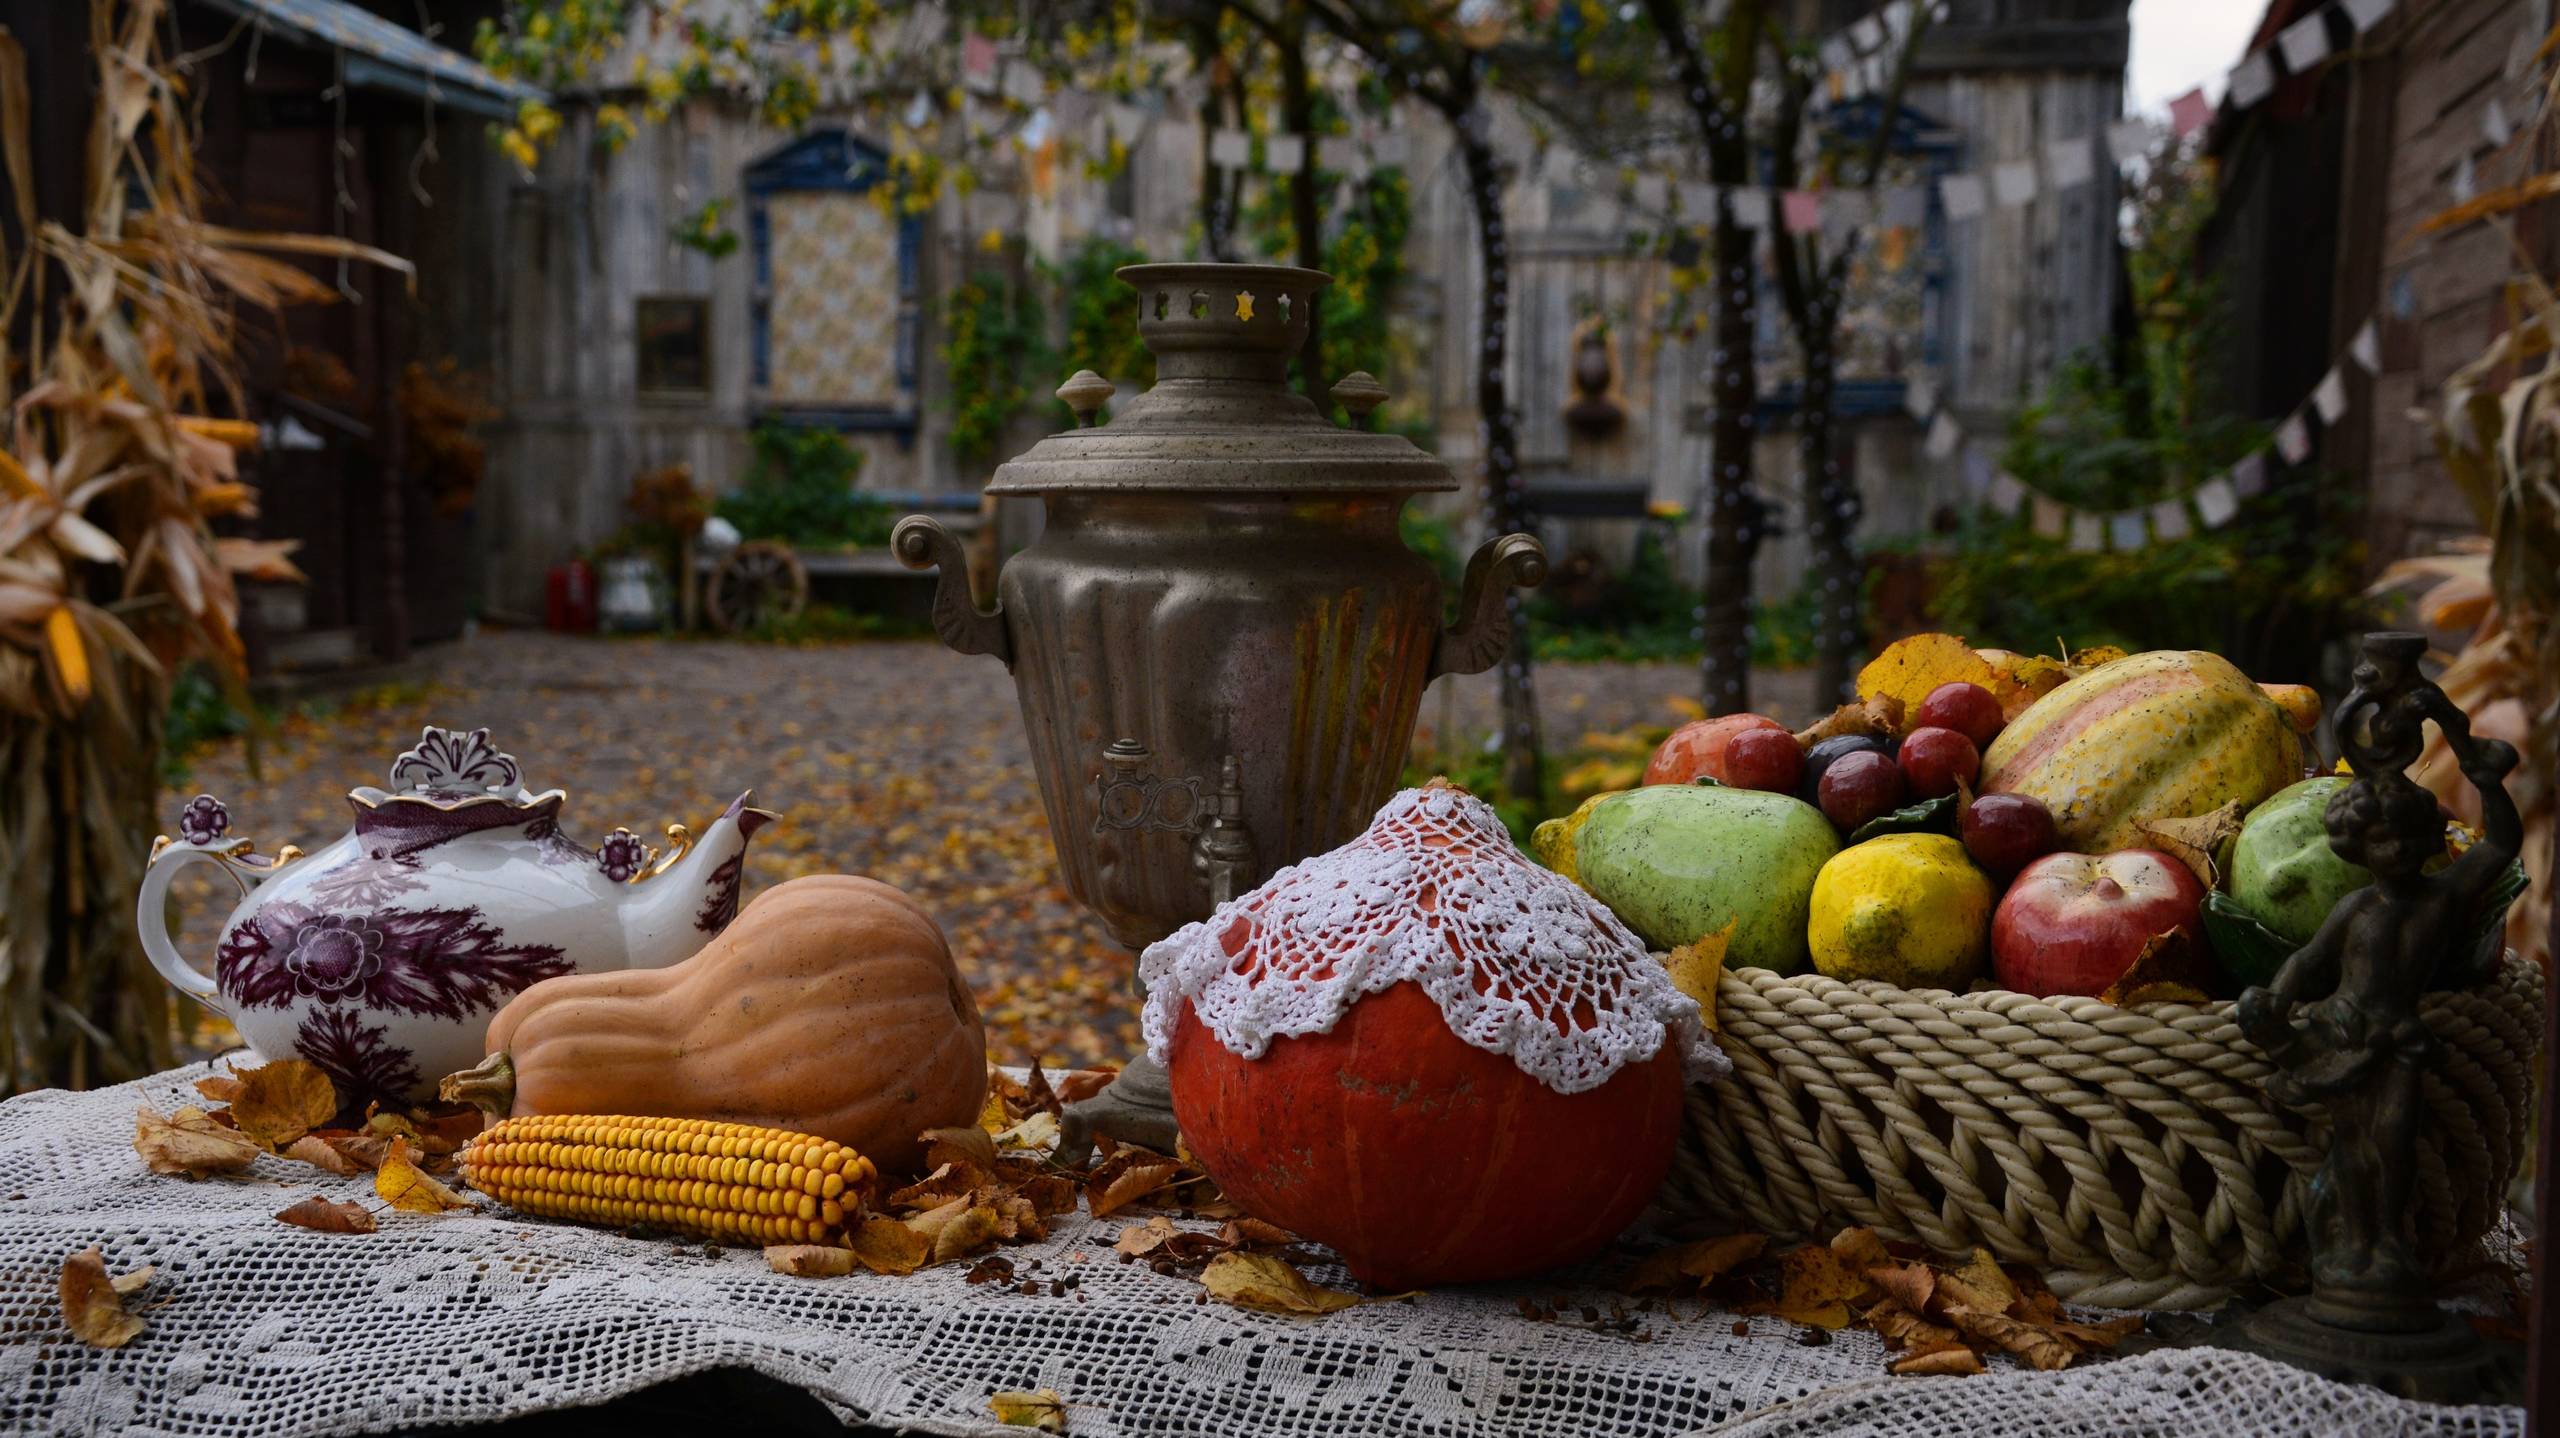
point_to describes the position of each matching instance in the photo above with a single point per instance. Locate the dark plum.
(1860, 786)
(1821, 756)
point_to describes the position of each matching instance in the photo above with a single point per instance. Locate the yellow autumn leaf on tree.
(409, 1188)
(1910, 667)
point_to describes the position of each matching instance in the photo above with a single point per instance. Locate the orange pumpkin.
(830, 1007)
(1427, 1053)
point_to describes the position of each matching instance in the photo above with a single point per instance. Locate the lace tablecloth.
(260, 1327)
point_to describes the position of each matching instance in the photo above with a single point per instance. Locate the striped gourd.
(2163, 735)
(712, 1180)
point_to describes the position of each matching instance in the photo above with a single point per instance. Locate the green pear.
(2283, 871)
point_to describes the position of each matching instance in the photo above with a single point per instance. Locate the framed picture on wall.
(674, 337)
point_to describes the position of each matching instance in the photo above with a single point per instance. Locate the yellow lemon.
(1909, 909)
(1554, 841)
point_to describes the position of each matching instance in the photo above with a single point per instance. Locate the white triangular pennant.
(2249, 476)
(2006, 493)
(2051, 519)
(1906, 207)
(2494, 126)
(1868, 33)
(2330, 397)
(1284, 154)
(2068, 162)
(2252, 80)
(2129, 140)
(2366, 348)
(2169, 520)
(2215, 503)
(1750, 207)
(2305, 42)
(1962, 195)
(1944, 435)
(2088, 533)
(1919, 397)
(1230, 149)
(1697, 202)
(2014, 183)
(1653, 193)
(2293, 439)
(1978, 470)
(2368, 13)
(2125, 530)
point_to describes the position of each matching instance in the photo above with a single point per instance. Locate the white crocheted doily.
(1521, 961)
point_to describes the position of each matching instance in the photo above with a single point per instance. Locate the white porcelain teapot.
(381, 957)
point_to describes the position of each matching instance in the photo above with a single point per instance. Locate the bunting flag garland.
(2209, 505)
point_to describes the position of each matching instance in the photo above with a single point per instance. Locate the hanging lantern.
(1427, 1053)
(1220, 639)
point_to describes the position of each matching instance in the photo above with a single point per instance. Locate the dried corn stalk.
(110, 573)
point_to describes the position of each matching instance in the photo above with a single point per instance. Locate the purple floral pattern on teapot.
(381, 957)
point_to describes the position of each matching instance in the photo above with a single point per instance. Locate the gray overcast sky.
(2180, 44)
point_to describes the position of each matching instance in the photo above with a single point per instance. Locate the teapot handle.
(151, 913)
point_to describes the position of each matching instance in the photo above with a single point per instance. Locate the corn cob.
(729, 1181)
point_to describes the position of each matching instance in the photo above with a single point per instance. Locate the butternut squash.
(830, 1007)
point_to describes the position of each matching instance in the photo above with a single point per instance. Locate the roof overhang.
(379, 55)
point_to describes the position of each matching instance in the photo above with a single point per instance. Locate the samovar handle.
(920, 542)
(1475, 643)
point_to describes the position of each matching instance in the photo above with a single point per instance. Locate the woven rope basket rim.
(2130, 1153)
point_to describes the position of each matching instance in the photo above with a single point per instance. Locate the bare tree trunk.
(1306, 219)
(1734, 515)
(1506, 504)
(1831, 512)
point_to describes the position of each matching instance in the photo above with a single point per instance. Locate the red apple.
(2073, 923)
(1936, 760)
(1769, 759)
(1698, 747)
(1968, 709)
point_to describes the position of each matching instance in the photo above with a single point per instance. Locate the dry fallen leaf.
(945, 1183)
(1910, 667)
(1127, 1177)
(2040, 1348)
(409, 1188)
(1140, 1240)
(281, 1101)
(1692, 1266)
(93, 1303)
(1814, 1289)
(958, 1146)
(1039, 1131)
(1859, 1249)
(1258, 1280)
(1978, 1285)
(1953, 1362)
(2201, 843)
(322, 1155)
(189, 1142)
(221, 1087)
(1696, 968)
(810, 1260)
(323, 1215)
(1908, 1284)
(974, 1228)
(884, 1245)
(1042, 1409)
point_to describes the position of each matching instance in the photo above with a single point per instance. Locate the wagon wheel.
(757, 581)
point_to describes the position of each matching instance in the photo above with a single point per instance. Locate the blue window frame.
(831, 161)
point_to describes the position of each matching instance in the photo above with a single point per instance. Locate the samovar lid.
(1221, 417)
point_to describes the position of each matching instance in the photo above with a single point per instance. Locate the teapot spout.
(686, 902)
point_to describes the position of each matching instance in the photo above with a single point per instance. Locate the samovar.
(1220, 638)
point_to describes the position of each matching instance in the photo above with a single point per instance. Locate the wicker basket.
(2130, 1153)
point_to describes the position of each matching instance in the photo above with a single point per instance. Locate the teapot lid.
(448, 769)
(1221, 417)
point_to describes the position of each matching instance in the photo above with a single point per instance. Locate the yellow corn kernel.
(711, 1180)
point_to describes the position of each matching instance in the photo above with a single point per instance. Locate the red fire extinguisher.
(569, 598)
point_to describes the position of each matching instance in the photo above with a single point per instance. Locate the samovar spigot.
(1224, 854)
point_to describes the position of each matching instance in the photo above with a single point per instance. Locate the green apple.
(2283, 871)
(1679, 862)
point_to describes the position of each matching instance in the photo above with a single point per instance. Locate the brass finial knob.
(1084, 393)
(1359, 392)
